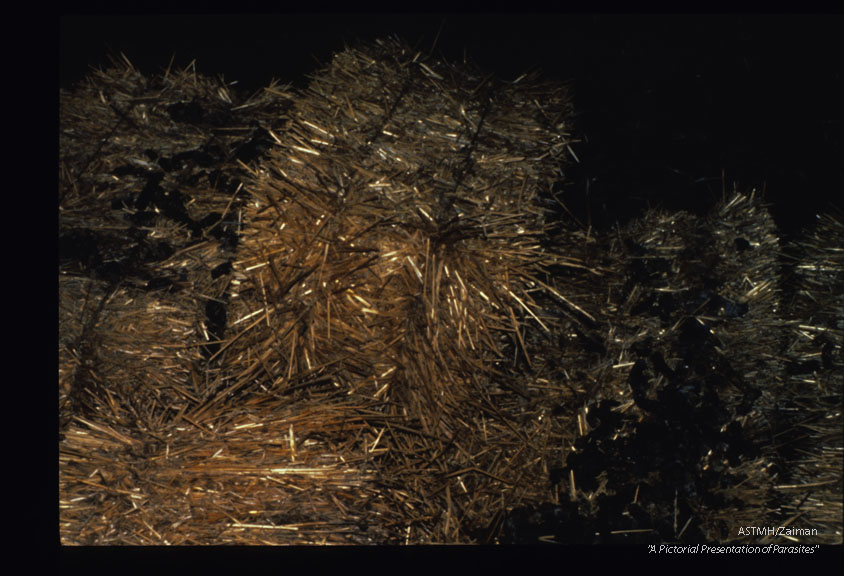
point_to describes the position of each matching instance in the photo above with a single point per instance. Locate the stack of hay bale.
(350, 315)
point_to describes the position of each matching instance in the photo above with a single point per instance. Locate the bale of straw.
(393, 254)
(683, 434)
(809, 428)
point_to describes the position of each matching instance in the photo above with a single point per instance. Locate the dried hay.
(346, 316)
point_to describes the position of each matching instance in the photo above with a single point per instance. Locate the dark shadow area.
(670, 109)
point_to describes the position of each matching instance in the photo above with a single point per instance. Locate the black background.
(670, 109)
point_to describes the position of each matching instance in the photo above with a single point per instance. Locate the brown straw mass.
(355, 315)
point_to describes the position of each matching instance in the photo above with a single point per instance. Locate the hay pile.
(349, 315)
(809, 431)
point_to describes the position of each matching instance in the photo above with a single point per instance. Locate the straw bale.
(148, 215)
(684, 434)
(810, 429)
(394, 250)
